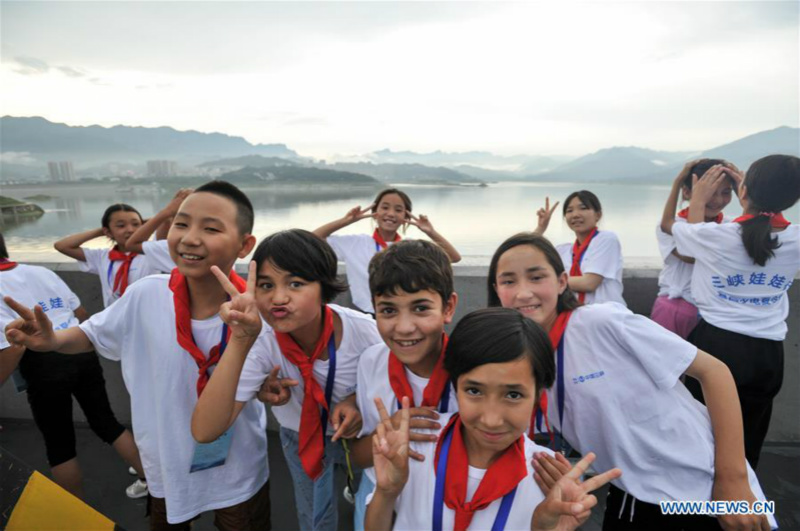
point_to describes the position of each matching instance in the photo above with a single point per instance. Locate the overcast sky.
(348, 78)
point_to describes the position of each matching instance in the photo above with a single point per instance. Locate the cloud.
(31, 66)
(70, 72)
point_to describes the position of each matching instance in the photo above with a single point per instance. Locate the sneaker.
(132, 471)
(138, 489)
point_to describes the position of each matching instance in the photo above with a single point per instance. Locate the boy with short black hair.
(167, 333)
(412, 290)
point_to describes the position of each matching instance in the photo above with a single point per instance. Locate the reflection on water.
(474, 219)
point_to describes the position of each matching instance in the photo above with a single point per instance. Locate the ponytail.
(758, 240)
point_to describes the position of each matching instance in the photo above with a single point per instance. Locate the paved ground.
(105, 479)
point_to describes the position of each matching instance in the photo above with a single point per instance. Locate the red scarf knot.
(121, 278)
(312, 432)
(776, 219)
(503, 475)
(437, 383)
(183, 325)
(380, 241)
(684, 214)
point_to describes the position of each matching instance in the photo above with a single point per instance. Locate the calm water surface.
(475, 220)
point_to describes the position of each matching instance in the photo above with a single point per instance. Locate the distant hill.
(514, 164)
(407, 173)
(45, 140)
(253, 161)
(289, 175)
(745, 151)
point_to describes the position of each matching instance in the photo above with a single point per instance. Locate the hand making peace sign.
(544, 215)
(240, 313)
(32, 330)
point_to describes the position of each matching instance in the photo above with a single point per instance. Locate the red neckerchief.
(501, 478)
(121, 278)
(312, 432)
(437, 383)
(6, 264)
(183, 325)
(776, 220)
(380, 241)
(685, 215)
(556, 333)
(578, 251)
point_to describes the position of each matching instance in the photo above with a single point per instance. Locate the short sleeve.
(664, 355)
(691, 239)
(94, 258)
(666, 243)
(256, 368)
(369, 416)
(6, 316)
(603, 257)
(106, 330)
(156, 253)
(343, 245)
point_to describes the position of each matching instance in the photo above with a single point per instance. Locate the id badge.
(20, 383)
(213, 454)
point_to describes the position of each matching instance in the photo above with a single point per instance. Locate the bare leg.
(68, 476)
(126, 448)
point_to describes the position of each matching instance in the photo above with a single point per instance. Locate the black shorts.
(52, 381)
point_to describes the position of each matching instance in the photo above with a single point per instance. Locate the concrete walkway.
(105, 479)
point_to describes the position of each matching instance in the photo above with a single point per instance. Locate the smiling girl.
(617, 393)
(391, 210)
(594, 260)
(307, 362)
(478, 474)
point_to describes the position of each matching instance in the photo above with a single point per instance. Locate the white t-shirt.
(373, 381)
(157, 253)
(625, 402)
(731, 291)
(359, 332)
(97, 262)
(32, 285)
(161, 377)
(604, 258)
(414, 506)
(356, 250)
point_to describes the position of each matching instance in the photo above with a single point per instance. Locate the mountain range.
(29, 143)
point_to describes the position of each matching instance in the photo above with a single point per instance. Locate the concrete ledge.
(641, 286)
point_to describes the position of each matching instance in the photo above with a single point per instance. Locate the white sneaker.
(138, 489)
(132, 471)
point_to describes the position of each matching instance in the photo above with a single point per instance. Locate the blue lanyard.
(110, 283)
(329, 383)
(377, 247)
(561, 392)
(444, 401)
(438, 495)
(223, 341)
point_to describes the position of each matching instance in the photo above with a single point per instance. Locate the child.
(594, 261)
(742, 273)
(52, 379)
(120, 266)
(412, 288)
(155, 250)
(167, 333)
(477, 475)
(617, 393)
(390, 210)
(315, 346)
(674, 307)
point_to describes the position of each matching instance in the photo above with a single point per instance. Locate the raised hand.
(703, 188)
(346, 419)
(32, 330)
(568, 504)
(276, 391)
(735, 173)
(421, 222)
(686, 171)
(547, 470)
(421, 418)
(358, 213)
(544, 215)
(390, 448)
(240, 313)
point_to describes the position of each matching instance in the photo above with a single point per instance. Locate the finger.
(554, 207)
(416, 456)
(694, 179)
(404, 416)
(382, 413)
(567, 508)
(547, 203)
(427, 412)
(422, 437)
(41, 318)
(581, 466)
(22, 310)
(547, 466)
(273, 375)
(543, 474)
(423, 424)
(599, 480)
(251, 278)
(543, 486)
(380, 432)
(562, 463)
(229, 288)
(288, 382)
